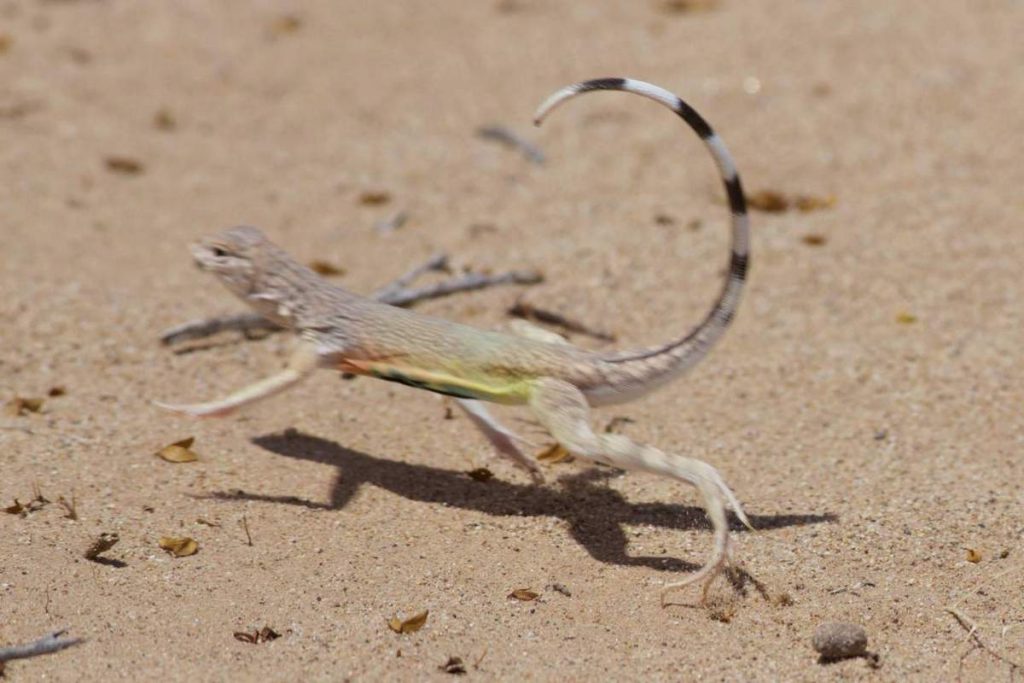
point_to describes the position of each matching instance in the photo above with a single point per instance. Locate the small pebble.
(840, 640)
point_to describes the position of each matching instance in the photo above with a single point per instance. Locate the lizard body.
(344, 331)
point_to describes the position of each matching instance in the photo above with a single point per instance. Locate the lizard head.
(256, 271)
(233, 255)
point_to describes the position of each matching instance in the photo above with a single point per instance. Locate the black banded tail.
(656, 365)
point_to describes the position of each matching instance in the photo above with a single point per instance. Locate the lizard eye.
(218, 252)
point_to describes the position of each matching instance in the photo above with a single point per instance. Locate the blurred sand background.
(865, 407)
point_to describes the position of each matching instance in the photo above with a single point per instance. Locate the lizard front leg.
(563, 410)
(303, 361)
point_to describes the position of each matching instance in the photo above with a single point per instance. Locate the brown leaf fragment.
(524, 594)
(768, 201)
(805, 202)
(480, 474)
(454, 665)
(16, 509)
(554, 453)
(374, 197)
(906, 318)
(325, 268)
(973, 556)
(813, 240)
(262, 635)
(284, 25)
(20, 405)
(102, 544)
(124, 165)
(267, 634)
(163, 119)
(410, 625)
(179, 547)
(56, 391)
(179, 451)
(687, 6)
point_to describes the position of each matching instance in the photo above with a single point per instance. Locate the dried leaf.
(374, 197)
(553, 454)
(769, 201)
(19, 405)
(179, 451)
(524, 594)
(263, 635)
(906, 318)
(813, 240)
(179, 547)
(16, 509)
(124, 165)
(454, 665)
(206, 522)
(325, 268)
(410, 625)
(102, 544)
(973, 556)
(480, 474)
(687, 6)
(806, 203)
(283, 25)
(163, 119)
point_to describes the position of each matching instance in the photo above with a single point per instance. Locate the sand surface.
(865, 406)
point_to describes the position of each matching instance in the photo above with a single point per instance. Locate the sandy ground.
(866, 405)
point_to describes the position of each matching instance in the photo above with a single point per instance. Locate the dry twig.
(509, 138)
(527, 311)
(47, 644)
(972, 632)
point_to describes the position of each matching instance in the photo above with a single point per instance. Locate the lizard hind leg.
(504, 440)
(563, 410)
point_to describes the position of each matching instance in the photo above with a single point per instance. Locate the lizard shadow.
(595, 513)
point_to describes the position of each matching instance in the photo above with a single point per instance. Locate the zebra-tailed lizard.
(340, 330)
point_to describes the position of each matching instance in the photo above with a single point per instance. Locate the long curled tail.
(637, 371)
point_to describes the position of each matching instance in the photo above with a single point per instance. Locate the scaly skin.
(344, 331)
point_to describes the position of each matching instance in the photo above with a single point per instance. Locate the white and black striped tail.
(686, 351)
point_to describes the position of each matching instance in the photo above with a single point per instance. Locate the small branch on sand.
(506, 136)
(47, 644)
(527, 311)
